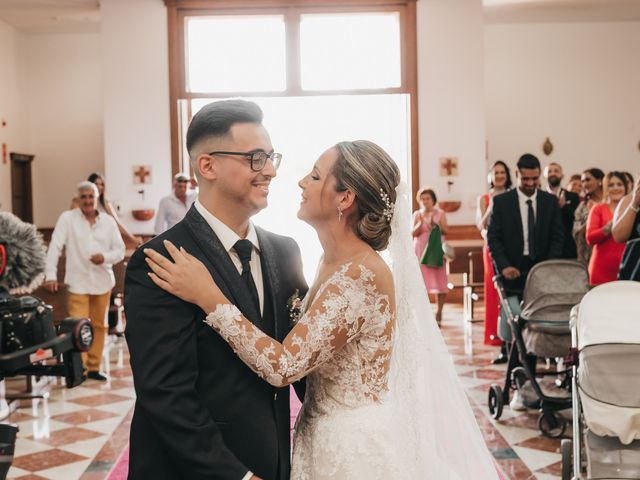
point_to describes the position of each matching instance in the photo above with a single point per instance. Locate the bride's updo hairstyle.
(369, 172)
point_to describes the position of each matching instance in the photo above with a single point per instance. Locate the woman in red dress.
(607, 253)
(499, 179)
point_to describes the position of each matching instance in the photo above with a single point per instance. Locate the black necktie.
(244, 248)
(531, 224)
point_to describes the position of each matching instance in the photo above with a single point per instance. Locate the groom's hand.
(255, 478)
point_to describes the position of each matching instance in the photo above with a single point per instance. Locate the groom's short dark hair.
(216, 119)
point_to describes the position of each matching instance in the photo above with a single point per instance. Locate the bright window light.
(236, 54)
(301, 128)
(350, 51)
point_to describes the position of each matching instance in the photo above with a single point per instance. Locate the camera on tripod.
(30, 342)
(28, 337)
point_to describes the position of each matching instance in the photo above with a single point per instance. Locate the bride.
(382, 397)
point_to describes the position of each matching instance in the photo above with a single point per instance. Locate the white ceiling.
(72, 16)
(545, 11)
(52, 16)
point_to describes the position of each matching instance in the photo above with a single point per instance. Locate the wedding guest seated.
(607, 253)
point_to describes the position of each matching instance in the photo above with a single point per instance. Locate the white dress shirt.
(228, 238)
(82, 240)
(524, 215)
(171, 210)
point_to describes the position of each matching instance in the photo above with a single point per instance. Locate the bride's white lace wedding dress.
(343, 345)
(382, 400)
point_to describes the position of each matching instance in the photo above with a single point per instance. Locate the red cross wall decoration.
(142, 174)
(448, 167)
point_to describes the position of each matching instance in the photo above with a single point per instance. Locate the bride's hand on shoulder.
(185, 277)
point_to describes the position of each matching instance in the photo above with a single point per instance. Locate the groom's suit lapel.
(271, 277)
(222, 269)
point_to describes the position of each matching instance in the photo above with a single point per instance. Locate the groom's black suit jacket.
(200, 412)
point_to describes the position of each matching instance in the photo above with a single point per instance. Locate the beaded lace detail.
(345, 336)
(342, 344)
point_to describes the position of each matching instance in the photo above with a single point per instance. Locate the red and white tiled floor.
(76, 433)
(80, 433)
(520, 450)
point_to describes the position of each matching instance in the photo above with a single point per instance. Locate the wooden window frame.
(177, 10)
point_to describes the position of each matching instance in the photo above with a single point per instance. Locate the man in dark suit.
(200, 413)
(524, 229)
(524, 226)
(568, 202)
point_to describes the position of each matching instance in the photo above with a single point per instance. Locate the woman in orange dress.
(499, 179)
(607, 253)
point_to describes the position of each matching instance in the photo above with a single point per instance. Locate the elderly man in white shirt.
(93, 244)
(174, 207)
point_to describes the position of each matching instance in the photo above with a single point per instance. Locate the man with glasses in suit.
(200, 412)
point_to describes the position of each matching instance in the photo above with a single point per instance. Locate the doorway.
(21, 192)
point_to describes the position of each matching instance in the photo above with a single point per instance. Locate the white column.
(136, 103)
(451, 99)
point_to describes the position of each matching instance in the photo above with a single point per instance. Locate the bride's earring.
(339, 215)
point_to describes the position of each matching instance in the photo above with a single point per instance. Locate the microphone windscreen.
(25, 251)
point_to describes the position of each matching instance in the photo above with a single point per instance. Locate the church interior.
(446, 86)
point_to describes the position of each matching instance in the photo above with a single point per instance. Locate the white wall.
(451, 99)
(14, 134)
(136, 103)
(578, 84)
(61, 77)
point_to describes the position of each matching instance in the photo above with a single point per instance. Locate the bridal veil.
(440, 435)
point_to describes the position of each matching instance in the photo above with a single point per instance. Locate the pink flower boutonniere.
(294, 305)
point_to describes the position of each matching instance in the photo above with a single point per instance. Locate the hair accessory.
(388, 211)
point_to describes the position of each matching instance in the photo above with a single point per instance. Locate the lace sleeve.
(335, 317)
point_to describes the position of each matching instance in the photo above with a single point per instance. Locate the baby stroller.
(606, 383)
(540, 326)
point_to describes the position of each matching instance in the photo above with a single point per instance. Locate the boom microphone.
(22, 254)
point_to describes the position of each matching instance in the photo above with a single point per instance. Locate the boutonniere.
(294, 306)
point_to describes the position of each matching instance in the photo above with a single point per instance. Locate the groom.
(200, 413)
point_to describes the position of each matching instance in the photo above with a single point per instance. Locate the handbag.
(433, 255)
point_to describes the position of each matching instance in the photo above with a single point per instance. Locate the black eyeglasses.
(257, 159)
